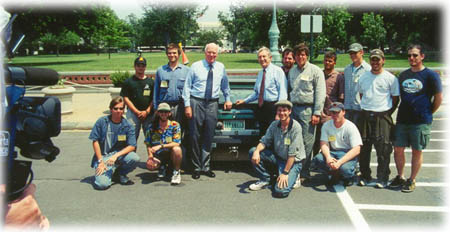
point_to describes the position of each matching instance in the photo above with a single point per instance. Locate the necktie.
(209, 83)
(261, 89)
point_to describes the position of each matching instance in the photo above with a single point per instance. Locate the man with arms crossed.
(421, 96)
(284, 136)
(204, 81)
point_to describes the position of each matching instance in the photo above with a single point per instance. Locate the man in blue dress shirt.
(201, 99)
(270, 87)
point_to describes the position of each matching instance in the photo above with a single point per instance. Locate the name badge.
(287, 141)
(304, 77)
(164, 84)
(146, 93)
(122, 138)
(168, 139)
(331, 138)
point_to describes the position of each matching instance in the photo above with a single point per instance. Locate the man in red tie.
(270, 87)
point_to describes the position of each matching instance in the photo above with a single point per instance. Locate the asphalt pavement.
(66, 196)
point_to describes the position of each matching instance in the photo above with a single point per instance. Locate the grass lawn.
(124, 61)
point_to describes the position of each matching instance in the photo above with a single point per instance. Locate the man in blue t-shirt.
(421, 96)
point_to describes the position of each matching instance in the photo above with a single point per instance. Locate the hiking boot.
(397, 182)
(364, 181)
(176, 177)
(162, 172)
(258, 185)
(381, 184)
(298, 183)
(409, 186)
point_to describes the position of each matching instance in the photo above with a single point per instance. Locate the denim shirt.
(112, 140)
(352, 74)
(169, 84)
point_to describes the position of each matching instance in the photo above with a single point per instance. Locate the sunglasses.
(118, 108)
(413, 55)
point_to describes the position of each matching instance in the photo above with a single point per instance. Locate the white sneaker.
(381, 184)
(176, 177)
(162, 172)
(258, 185)
(298, 183)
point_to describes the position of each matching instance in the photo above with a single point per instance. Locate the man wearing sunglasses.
(163, 139)
(421, 95)
(114, 143)
(340, 143)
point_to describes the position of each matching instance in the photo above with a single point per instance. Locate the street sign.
(305, 21)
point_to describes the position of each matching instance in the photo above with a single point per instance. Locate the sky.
(124, 8)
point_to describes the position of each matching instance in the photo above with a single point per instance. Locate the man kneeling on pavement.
(114, 144)
(163, 139)
(281, 147)
(340, 144)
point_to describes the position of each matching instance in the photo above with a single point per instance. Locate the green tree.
(335, 20)
(209, 36)
(374, 35)
(164, 23)
(64, 39)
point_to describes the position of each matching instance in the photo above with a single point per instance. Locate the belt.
(202, 99)
(175, 102)
(373, 113)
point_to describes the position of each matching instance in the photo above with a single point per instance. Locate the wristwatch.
(162, 146)
(99, 161)
(285, 173)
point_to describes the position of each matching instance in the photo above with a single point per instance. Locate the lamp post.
(274, 34)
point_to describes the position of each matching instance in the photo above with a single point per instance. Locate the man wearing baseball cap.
(352, 73)
(379, 91)
(163, 139)
(137, 92)
(286, 153)
(340, 144)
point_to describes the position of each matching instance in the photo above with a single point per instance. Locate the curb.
(77, 125)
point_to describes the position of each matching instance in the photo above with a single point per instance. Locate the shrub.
(117, 78)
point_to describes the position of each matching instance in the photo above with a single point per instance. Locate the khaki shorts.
(415, 135)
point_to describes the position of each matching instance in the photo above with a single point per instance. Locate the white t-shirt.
(377, 91)
(343, 138)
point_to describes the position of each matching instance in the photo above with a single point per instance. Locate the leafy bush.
(119, 77)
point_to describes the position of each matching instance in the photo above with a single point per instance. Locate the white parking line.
(439, 131)
(439, 140)
(443, 209)
(425, 151)
(352, 210)
(409, 165)
(431, 184)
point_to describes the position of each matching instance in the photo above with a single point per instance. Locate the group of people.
(308, 118)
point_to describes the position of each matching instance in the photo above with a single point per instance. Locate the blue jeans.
(347, 170)
(125, 164)
(268, 158)
(137, 123)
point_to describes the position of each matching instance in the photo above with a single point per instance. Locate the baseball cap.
(140, 60)
(355, 47)
(376, 53)
(284, 103)
(163, 107)
(336, 107)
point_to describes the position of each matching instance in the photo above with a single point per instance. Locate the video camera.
(30, 122)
